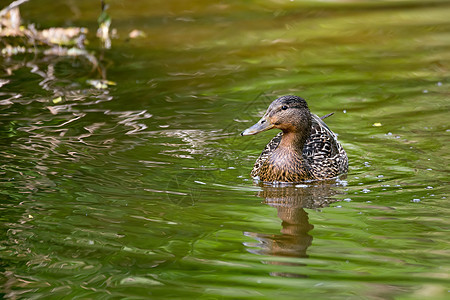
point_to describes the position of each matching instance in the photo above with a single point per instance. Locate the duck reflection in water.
(294, 240)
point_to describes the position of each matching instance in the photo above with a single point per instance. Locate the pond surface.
(142, 190)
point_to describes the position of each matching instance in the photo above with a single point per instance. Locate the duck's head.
(288, 113)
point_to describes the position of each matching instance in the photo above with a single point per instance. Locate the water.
(142, 190)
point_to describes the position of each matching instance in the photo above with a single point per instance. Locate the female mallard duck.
(306, 149)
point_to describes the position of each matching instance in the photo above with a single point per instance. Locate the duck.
(305, 149)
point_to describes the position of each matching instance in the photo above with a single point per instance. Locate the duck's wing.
(326, 116)
(323, 152)
(265, 154)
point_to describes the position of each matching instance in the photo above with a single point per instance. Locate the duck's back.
(323, 152)
(325, 156)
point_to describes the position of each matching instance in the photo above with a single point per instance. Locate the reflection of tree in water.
(56, 113)
(53, 123)
(294, 240)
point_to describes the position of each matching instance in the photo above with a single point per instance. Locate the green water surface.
(142, 190)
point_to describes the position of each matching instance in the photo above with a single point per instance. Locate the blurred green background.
(141, 189)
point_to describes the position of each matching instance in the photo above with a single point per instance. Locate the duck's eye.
(284, 107)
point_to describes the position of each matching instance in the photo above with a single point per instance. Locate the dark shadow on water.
(294, 238)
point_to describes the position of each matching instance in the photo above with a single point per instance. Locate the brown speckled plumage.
(306, 149)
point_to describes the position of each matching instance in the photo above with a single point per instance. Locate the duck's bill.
(261, 126)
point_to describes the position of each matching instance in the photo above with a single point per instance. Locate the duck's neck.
(292, 141)
(286, 162)
(290, 151)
